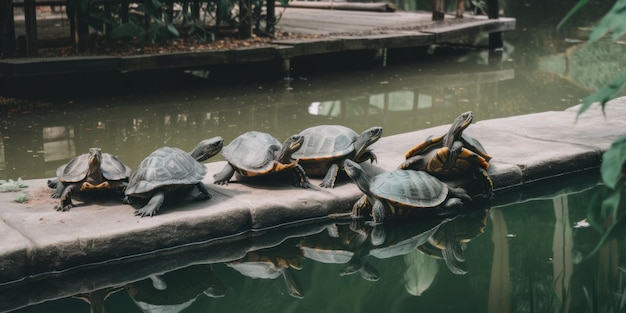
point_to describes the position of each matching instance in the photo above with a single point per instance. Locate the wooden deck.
(335, 30)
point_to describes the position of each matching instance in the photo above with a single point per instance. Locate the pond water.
(530, 256)
(517, 258)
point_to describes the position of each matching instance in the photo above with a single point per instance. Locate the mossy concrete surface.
(526, 150)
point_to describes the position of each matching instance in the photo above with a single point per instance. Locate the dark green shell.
(409, 188)
(326, 142)
(165, 167)
(253, 152)
(76, 169)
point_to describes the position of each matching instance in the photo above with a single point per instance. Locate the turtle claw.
(63, 208)
(144, 213)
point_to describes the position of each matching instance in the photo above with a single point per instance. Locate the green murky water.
(529, 256)
(520, 257)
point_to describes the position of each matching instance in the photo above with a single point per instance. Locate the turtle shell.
(326, 142)
(415, 189)
(76, 169)
(252, 152)
(165, 167)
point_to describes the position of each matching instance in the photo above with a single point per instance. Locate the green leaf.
(573, 11)
(603, 95)
(617, 230)
(613, 163)
(173, 30)
(613, 21)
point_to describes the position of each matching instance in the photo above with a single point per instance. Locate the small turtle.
(257, 153)
(90, 171)
(168, 169)
(325, 147)
(401, 192)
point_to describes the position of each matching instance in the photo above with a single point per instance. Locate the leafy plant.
(610, 204)
(613, 22)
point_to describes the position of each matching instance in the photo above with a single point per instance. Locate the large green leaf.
(605, 94)
(613, 163)
(614, 21)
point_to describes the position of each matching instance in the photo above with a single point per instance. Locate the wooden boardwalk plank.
(337, 30)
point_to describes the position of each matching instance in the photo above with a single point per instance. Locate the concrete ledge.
(35, 239)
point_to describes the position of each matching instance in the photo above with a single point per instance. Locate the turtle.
(452, 156)
(454, 135)
(168, 169)
(401, 192)
(326, 146)
(257, 153)
(89, 171)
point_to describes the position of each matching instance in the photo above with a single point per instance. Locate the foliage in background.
(607, 212)
(158, 20)
(614, 23)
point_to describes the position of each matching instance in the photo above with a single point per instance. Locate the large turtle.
(168, 169)
(90, 171)
(401, 192)
(257, 153)
(454, 135)
(325, 147)
(453, 156)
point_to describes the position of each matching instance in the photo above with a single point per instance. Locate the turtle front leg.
(151, 208)
(331, 176)
(360, 205)
(66, 199)
(58, 188)
(378, 212)
(225, 175)
(204, 192)
(301, 179)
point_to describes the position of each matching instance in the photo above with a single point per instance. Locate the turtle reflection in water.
(90, 171)
(325, 147)
(391, 239)
(401, 192)
(337, 246)
(447, 242)
(438, 237)
(254, 154)
(170, 169)
(454, 156)
(271, 265)
(174, 291)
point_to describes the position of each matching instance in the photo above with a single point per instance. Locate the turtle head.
(460, 123)
(357, 174)
(95, 158)
(291, 145)
(207, 148)
(365, 139)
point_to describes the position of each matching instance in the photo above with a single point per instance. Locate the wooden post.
(270, 27)
(30, 19)
(108, 27)
(245, 19)
(438, 10)
(124, 11)
(7, 29)
(495, 39)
